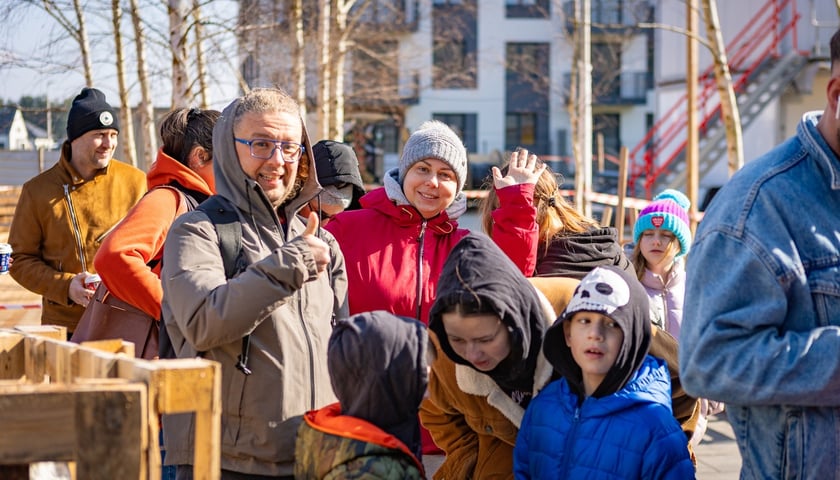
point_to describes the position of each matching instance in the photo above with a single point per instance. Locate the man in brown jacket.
(64, 212)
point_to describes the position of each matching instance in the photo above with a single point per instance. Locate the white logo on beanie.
(600, 291)
(106, 119)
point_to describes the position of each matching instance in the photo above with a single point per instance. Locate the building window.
(608, 125)
(455, 45)
(527, 9)
(465, 125)
(375, 74)
(520, 130)
(454, 66)
(606, 72)
(527, 83)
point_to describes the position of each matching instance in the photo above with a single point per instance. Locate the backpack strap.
(229, 230)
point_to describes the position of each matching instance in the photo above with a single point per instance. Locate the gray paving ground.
(717, 454)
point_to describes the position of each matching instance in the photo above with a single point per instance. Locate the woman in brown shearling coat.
(488, 320)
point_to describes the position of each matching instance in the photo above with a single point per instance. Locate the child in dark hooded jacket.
(489, 322)
(378, 370)
(609, 416)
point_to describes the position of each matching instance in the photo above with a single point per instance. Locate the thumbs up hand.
(319, 248)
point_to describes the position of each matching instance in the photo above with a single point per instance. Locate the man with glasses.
(274, 316)
(338, 174)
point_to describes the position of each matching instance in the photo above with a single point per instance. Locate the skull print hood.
(617, 294)
(478, 275)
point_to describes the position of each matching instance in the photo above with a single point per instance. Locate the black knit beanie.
(89, 112)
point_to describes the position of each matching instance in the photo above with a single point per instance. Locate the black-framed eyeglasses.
(264, 149)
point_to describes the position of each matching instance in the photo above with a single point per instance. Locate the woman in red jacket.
(396, 244)
(129, 259)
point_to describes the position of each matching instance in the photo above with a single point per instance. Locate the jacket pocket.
(793, 461)
(232, 419)
(825, 293)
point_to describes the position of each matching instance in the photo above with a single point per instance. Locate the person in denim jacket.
(761, 326)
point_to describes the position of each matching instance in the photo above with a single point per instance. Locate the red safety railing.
(752, 47)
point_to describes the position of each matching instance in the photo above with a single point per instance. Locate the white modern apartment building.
(498, 71)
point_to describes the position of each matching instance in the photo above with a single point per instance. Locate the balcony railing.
(612, 16)
(397, 16)
(630, 88)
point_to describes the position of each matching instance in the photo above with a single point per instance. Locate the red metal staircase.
(763, 60)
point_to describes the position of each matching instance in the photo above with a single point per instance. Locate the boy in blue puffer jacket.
(610, 414)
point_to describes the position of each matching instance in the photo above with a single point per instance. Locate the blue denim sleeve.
(752, 332)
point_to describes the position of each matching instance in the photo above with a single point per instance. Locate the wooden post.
(96, 426)
(622, 193)
(692, 146)
(599, 140)
(606, 216)
(104, 443)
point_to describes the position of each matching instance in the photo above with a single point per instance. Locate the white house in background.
(40, 137)
(13, 134)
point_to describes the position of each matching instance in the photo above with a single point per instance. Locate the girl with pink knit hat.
(662, 237)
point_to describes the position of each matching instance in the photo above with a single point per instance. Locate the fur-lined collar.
(473, 382)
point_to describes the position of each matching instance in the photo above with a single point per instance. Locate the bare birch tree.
(148, 132)
(76, 28)
(178, 11)
(200, 60)
(299, 66)
(730, 115)
(325, 69)
(126, 121)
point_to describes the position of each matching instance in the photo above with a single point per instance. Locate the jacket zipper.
(76, 231)
(570, 440)
(421, 241)
(309, 349)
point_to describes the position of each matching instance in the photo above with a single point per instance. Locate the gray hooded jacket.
(279, 300)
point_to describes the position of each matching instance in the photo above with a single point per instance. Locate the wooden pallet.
(97, 406)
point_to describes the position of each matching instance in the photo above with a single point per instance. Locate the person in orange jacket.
(129, 259)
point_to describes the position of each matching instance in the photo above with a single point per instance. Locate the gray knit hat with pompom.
(434, 139)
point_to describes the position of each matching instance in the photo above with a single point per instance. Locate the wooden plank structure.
(96, 406)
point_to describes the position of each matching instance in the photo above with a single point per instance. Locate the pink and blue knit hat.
(668, 211)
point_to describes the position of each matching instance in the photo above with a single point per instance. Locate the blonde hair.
(555, 215)
(638, 260)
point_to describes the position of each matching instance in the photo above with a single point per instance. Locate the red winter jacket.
(388, 250)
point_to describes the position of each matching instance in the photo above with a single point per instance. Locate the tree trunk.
(339, 63)
(178, 14)
(147, 130)
(84, 43)
(574, 113)
(299, 66)
(127, 122)
(200, 61)
(77, 29)
(730, 115)
(325, 71)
